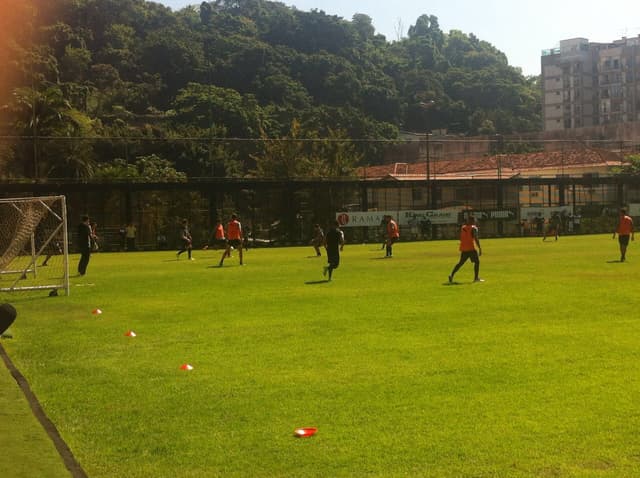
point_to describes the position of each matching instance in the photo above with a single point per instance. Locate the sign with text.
(530, 213)
(404, 218)
(499, 214)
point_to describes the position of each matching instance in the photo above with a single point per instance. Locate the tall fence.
(284, 212)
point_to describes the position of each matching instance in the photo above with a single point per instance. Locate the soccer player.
(624, 230)
(393, 234)
(185, 237)
(553, 227)
(318, 239)
(234, 239)
(333, 243)
(218, 237)
(468, 241)
(84, 244)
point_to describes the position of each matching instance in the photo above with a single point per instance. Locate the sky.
(520, 29)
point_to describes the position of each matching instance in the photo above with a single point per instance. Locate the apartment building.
(589, 84)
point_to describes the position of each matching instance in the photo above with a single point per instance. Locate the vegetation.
(631, 168)
(231, 71)
(531, 373)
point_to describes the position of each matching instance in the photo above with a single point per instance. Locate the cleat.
(450, 279)
(478, 280)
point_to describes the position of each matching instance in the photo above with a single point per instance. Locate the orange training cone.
(186, 366)
(130, 333)
(96, 311)
(305, 432)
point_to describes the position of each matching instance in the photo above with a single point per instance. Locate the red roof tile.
(487, 166)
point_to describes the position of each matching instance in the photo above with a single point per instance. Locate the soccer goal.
(34, 253)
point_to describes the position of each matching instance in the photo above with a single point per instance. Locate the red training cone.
(186, 366)
(96, 312)
(305, 432)
(130, 333)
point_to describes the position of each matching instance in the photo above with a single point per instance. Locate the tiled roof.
(487, 166)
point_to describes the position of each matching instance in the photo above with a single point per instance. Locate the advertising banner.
(530, 213)
(404, 218)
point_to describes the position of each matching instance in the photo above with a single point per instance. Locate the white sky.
(519, 29)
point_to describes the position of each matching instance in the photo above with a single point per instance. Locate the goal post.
(34, 244)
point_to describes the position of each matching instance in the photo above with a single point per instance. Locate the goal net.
(34, 251)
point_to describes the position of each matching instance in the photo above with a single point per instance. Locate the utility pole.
(425, 105)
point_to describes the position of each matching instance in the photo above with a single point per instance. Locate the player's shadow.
(380, 258)
(316, 282)
(615, 262)
(452, 283)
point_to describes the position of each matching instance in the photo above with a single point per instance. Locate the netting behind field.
(33, 254)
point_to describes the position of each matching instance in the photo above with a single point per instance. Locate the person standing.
(393, 234)
(553, 226)
(468, 241)
(130, 234)
(333, 243)
(95, 245)
(234, 239)
(84, 244)
(185, 239)
(625, 231)
(318, 239)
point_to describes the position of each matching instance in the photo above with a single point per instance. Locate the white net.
(33, 244)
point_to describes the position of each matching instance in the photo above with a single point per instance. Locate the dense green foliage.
(533, 373)
(229, 71)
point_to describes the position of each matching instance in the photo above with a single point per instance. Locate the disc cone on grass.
(186, 366)
(305, 432)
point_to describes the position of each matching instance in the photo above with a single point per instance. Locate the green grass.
(531, 373)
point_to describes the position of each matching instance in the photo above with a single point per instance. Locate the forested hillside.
(192, 90)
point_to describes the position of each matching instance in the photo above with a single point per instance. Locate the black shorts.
(623, 240)
(333, 259)
(392, 240)
(471, 255)
(237, 243)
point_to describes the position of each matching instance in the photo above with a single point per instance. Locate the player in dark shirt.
(333, 243)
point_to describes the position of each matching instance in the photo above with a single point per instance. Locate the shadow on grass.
(381, 258)
(615, 262)
(316, 282)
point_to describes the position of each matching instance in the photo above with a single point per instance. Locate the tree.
(150, 168)
(631, 168)
(48, 114)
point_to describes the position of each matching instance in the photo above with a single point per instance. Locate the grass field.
(534, 372)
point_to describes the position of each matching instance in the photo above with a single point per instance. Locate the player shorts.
(471, 255)
(236, 243)
(623, 239)
(333, 259)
